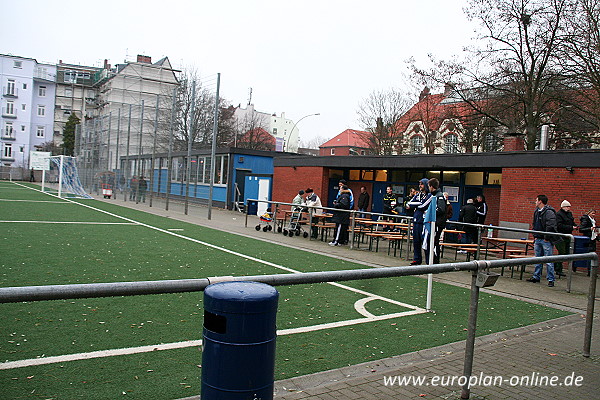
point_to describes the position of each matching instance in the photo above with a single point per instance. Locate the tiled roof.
(348, 138)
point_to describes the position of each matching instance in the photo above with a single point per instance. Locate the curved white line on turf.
(359, 306)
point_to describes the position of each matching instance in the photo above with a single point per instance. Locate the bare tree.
(313, 143)
(514, 70)
(377, 115)
(251, 132)
(191, 91)
(577, 111)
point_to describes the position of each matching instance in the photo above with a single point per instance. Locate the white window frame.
(332, 152)
(40, 131)
(416, 144)
(9, 130)
(11, 87)
(23, 107)
(7, 150)
(451, 143)
(18, 64)
(10, 108)
(41, 110)
(42, 91)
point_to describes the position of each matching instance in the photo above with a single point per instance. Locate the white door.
(263, 194)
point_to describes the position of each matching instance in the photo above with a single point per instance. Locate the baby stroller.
(294, 226)
(266, 219)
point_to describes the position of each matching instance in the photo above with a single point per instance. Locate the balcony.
(43, 75)
(7, 134)
(10, 91)
(9, 113)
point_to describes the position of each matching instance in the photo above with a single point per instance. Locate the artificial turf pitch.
(115, 250)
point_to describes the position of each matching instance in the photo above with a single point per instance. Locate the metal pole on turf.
(214, 148)
(470, 342)
(153, 153)
(188, 166)
(117, 161)
(60, 175)
(431, 252)
(140, 170)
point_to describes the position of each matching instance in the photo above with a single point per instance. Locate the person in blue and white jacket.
(417, 204)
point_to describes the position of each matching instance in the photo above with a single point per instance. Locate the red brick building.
(509, 180)
(348, 143)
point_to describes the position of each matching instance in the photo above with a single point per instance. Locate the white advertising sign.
(40, 160)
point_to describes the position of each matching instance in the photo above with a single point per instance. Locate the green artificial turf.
(42, 254)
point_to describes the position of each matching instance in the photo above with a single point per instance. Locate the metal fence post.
(470, 342)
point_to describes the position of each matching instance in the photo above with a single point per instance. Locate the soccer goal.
(69, 184)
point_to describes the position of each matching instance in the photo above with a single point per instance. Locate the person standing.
(312, 200)
(436, 211)
(544, 220)
(564, 224)
(133, 187)
(389, 203)
(407, 210)
(363, 200)
(341, 217)
(417, 204)
(468, 214)
(344, 183)
(143, 186)
(589, 228)
(482, 209)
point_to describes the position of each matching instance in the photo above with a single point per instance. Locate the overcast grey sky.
(299, 57)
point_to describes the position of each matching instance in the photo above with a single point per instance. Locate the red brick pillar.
(514, 142)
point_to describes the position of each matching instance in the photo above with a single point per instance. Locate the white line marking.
(71, 222)
(190, 343)
(37, 201)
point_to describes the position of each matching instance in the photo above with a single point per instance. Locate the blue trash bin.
(252, 207)
(238, 355)
(582, 245)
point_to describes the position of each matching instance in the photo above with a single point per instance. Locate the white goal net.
(69, 184)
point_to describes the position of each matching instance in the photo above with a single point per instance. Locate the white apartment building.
(28, 98)
(284, 130)
(117, 128)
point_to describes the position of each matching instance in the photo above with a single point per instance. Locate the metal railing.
(477, 267)
(408, 220)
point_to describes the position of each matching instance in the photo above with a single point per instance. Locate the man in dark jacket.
(341, 217)
(544, 220)
(363, 200)
(564, 224)
(417, 204)
(468, 214)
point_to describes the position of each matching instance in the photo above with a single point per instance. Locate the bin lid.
(240, 297)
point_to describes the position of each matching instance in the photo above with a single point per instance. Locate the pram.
(295, 226)
(266, 219)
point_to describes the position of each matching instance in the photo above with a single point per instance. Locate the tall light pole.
(294, 127)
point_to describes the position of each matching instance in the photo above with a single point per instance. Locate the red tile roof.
(348, 138)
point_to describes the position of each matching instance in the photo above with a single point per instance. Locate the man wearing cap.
(417, 204)
(564, 224)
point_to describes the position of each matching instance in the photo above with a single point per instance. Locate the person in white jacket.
(312, 200)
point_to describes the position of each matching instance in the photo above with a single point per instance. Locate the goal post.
(68, 178)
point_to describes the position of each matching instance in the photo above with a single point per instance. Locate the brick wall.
(287, 181)
(492, 198)
(520, 186)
